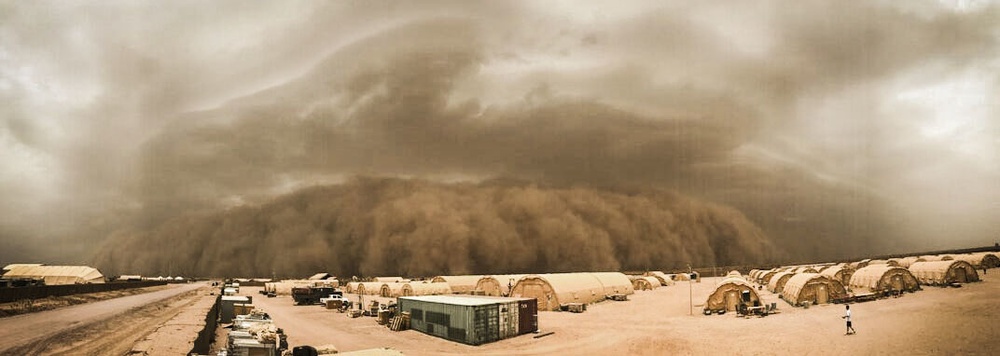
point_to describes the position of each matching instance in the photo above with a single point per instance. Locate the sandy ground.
(37, 305)
(108, 327)
(932, 321)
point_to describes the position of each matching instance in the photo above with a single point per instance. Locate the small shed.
(884, 278)
(465, 284)
(812, 288)
(729, 294)
(777, 282)
(941, 273)
(497, 285)
(472, 320)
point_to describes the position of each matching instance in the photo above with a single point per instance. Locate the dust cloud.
(840, 129)
(377, 226)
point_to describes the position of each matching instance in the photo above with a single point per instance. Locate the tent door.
(731, 300)
(897, 283)
(536, 291)
(960, 276)
(822, 296)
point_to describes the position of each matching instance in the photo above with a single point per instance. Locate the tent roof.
(57, 274)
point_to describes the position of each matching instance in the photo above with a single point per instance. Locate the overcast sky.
(115, 107)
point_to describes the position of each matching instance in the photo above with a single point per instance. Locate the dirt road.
(40, 331)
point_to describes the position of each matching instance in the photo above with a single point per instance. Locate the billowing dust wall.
(375, 226)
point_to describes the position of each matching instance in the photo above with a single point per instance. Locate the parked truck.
(311, 295)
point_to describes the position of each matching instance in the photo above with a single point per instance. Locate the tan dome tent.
(368, 288)
(351, 287)
(459, 284)
(753, 274)
(823, 268)
(390, 290)
(765, 279)
(425, 288)
(884, 278)
(905, 262)
(862, 264)
(940, 273)
(498, 285)
(930, 258)
(840, 273)
(390, 280)
(777, 282)
(812, 288)
(804, 269)
(614, 283)
(557, 289)
(644, 283)
(664, 279)
(55, 275)
(980, 260)
(735, 274)
(729, 294)
(884, 262)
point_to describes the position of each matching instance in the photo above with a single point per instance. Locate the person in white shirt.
(847, 315)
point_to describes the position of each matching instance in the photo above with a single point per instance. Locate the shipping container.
(228, 307)
(469, 319)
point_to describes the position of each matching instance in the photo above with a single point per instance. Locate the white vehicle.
(339, 297)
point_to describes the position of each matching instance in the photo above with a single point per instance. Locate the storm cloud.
(840, 129)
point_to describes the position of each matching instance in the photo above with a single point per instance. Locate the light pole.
(690, 293)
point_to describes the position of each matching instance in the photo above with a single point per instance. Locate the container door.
(528, 314)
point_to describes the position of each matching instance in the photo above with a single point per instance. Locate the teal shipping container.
(472, 320)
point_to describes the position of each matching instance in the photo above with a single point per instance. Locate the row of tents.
(553, 290)
(819, 284)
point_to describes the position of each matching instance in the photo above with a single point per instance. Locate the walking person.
(847, 315)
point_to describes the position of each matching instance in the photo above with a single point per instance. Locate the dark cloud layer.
(375, 226)
(793, 114)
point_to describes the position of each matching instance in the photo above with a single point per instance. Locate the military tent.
(459, 284)
(777, 282)
(665, 279)
(883, 278)
(765, 278)
(425, 288)
(55, 275)
(980, 260)
(889, 262)
(841, 273)
(729, 294)
(944, 272)
(557, 289)
(390, 280)
(644, 282)
(812, 288)
(497, 285)
(390, 290)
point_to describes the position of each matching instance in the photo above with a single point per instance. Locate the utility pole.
(690, 293)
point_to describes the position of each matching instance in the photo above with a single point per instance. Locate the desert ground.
(931, 321)
(108, 327)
